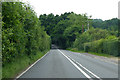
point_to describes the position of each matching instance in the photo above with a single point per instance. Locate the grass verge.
(11, 70)
(94, 53)
(75, 50)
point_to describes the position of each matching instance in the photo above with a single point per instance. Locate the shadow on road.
(53, 46)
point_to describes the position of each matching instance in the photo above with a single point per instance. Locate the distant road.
(66, 64)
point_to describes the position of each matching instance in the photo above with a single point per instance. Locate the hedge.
(22, 32)
(106, 46)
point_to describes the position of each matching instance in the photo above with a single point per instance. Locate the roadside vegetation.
(99, 41)
(15, 68)
(26, 38)
(23, 38)
(93, 53)
(80, 32)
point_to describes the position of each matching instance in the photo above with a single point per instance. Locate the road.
(60, 63)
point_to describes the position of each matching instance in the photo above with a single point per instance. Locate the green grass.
(101, 54)
(94, 53)
(75, 50)
(11, 70)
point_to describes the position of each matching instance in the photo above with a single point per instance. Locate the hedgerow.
(106, 46)
(22, 32)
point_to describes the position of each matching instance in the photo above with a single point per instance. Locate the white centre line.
(87, 69)
(76, 66)
(70, 59)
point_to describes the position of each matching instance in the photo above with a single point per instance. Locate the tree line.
(111, 24)
(22, 33)
(64, 29)
(71, 30)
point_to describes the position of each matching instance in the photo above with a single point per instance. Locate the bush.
(90, 36)
(110, 46)
(107, 46)
(22, 32)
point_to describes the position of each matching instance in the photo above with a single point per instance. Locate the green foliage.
(77, 25)
(22, 32)
(107, 46)
(111, 46)
(95, 46)
(76, 31)
(90, 35)
(111, 25)
(64, 29)
(55, 26)
(57, 36)
(97, 40)
(20, 64)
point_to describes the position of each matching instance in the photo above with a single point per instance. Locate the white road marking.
(81, 66)
(31, 66)
(87, 70)
(76, 66)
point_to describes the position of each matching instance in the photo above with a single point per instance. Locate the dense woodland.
(64, 29)
(70, 30)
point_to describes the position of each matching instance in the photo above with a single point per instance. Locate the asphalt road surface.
(58, 63)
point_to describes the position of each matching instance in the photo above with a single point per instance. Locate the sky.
(98, 9)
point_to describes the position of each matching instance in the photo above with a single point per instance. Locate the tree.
(77, 25)
(20, 32)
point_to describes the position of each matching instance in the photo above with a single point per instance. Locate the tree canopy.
(21, 31)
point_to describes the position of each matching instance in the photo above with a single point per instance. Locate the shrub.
(107, 46)
(22, 32)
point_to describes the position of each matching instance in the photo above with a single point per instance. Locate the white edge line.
(88, 70)
(31, 66)
(76, 66)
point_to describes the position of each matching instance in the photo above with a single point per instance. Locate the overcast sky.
(100, 9)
